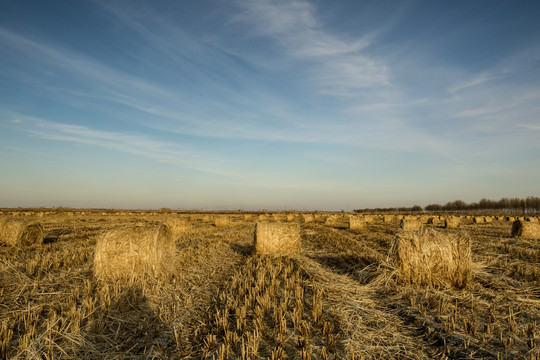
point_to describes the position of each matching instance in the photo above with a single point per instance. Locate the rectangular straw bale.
(429, 257)
(410, 224)
(277, 238)
(526, 229)
(357, 222)
(135, 252)
(15, 232)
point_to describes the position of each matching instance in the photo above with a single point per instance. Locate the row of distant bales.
(148, 248)
(523, 226)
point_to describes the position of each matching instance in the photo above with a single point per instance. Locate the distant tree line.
(529, 205)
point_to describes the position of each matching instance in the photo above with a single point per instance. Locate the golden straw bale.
(277, 238)
(222, 221)
(430, 257)
(433, 220)
(410, 224)
(488, 219)
(280, 217)
(248, 217)
(531, 219)
(337, 221)
(308, 218)
(478, 220)
(264, 217)
(452, 222)
(135, 252)
(207, 218)
(16, 232)
(357, 222)
(388, 218)
(526, 229)
(291, 217)
(178, 226)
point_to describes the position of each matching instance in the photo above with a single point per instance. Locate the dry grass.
(277, 238)
(15, 232)
(135, 252)
(337, 298)
(432, 258)
(526, 229)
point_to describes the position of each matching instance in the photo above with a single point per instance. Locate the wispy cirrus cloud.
(336, 65)
(134, 144)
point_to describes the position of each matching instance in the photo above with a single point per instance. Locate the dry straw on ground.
(135, 252)
(277, 238)
(357, 222)
(451, 222)
(432, 258)
(15, 232)
(410, 224)
(526, 229)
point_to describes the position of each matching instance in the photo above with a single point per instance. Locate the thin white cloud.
(137, 145)
(337, 65)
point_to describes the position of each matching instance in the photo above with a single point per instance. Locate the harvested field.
(337, 295)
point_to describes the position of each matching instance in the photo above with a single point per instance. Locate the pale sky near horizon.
(251, 104)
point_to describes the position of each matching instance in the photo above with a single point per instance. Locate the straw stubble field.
(338, 296)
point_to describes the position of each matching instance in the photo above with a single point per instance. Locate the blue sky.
(268, 104)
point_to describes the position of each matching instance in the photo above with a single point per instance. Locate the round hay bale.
(15, 232)
(277, 238)
(222, 221)
(479, 220)
(429, 257)
(531, 219)
(248, 217)
(178, 226)
(135, 252)
(291, 217)
(433, 220)
(337, 221)
(452, 222)
(526, 229)
(280, 217)
(388, 218)
(308, 218)
(410, 224)
(208, 218)
(488, 219)
(357, 222)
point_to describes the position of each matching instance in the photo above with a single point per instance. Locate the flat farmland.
(338, 297)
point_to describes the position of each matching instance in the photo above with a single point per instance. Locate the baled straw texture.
(479, 220)
(222, 221)
(451, 222)
(15, 232)
(337, 221)
(308, 218)
(357, 222)
(135, 252)
(178, 226)
(410, 224)
(433, 220)
(526, 229)
(388, 218)
(429, 257)
(277, 238)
